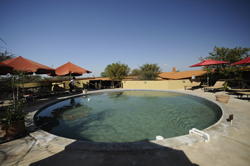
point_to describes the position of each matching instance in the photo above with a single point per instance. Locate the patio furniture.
(203, 86)
(243, 93)
(218, 85)
(45, 91)
(193, 85)
(27, 95)
(57, 89)
(244, 88)
(77, 89)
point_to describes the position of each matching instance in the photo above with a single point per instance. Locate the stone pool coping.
(72, 144)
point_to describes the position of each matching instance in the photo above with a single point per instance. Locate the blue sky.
(95, 33)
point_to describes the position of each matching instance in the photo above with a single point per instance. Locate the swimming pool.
(127, 116)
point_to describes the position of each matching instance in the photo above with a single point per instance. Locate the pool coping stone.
(71, 144)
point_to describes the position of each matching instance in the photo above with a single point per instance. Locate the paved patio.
(229, 145)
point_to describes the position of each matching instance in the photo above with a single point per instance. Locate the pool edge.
(72, 144)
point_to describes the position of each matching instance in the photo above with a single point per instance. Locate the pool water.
(128, 116)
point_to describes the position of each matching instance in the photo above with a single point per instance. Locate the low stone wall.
(161, 85)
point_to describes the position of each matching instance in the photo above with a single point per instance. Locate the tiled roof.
(181, 74)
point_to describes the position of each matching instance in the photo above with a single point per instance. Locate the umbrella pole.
(206, 68)
(23, 87)
(207, 80)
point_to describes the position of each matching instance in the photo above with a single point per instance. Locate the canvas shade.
(209, 62)
(21, 64)
(4, 69)
(70, 69)
(243, 61)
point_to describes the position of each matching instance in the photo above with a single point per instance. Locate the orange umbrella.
(21, 64)
(69, 69)
(4, 69)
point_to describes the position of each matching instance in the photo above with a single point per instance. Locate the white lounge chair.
(218, 85)
(193, 85)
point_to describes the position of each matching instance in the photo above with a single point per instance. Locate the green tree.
(103, 74)
(149, 71)
(117, 71)
(135, 72)
(230, 55)
(6, 55)
(227, 71)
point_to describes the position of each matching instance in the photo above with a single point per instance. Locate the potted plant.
(223, 98)
(12, 123)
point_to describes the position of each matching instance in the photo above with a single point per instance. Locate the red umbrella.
(70, 69)
(209, 62)
(244, 61)
(21, 64)
(4, 69)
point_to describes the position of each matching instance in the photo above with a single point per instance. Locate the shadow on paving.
(243, 98)
(120, 154)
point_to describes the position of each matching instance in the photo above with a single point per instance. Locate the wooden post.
(231, 117)
(95, 85)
